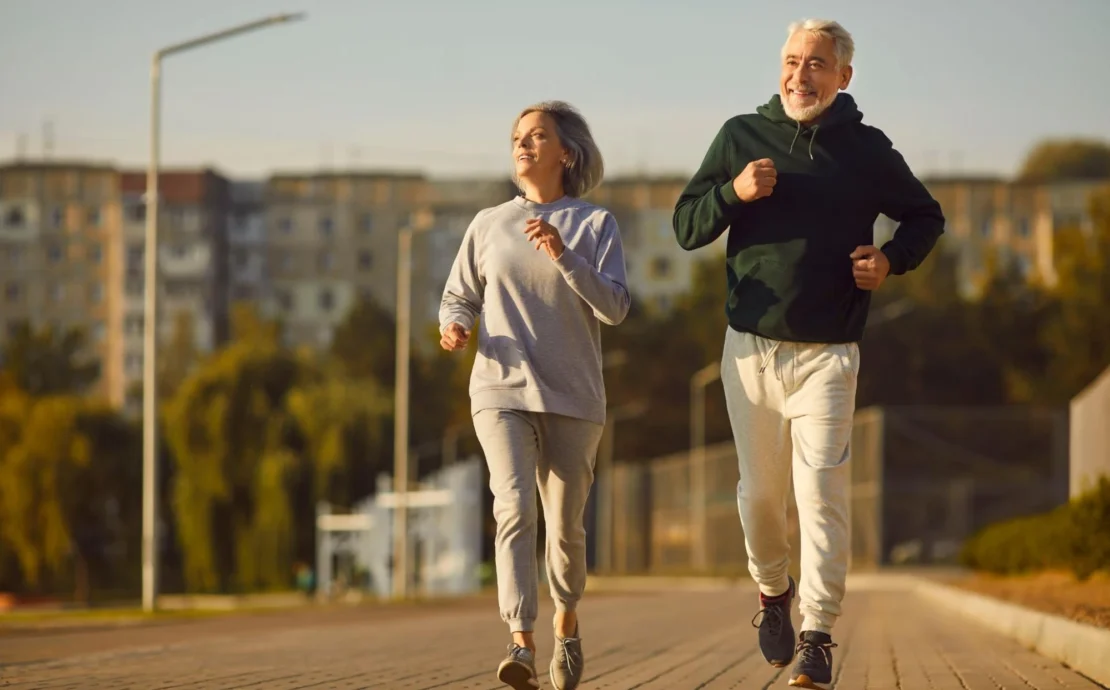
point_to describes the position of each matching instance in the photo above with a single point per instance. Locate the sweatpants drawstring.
(767, 357)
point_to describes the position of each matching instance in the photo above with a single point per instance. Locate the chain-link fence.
(923, 480)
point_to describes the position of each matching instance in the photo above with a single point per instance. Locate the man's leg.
(821, 407)
(754, 393)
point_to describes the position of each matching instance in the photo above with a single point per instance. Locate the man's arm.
(905, 200)
(708, 204)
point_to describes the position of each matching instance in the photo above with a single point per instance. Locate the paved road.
(889, 640)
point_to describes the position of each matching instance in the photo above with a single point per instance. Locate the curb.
(1081, 647)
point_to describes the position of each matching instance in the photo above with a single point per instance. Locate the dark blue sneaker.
(776, 631)
(814, 667)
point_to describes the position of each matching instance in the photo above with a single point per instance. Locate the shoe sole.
(517, 676)
(555, 683)
(803, 681)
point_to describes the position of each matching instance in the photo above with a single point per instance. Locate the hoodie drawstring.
(767, 358)
(812, 137)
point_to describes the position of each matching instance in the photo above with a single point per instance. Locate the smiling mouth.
(525, 157)
(801, 94)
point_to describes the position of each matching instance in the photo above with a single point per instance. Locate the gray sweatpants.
(556, 453)
(791, 407)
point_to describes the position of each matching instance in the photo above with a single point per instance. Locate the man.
(801, 183)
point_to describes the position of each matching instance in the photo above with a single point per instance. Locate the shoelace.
(568, 653)
(772, 616)
(807, 652)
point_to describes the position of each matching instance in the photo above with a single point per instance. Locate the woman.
(542, 270)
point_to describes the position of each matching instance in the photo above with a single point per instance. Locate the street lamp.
(419, 222)
(698, 382)
(150, 300)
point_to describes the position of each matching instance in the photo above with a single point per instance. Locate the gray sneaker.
(518, 670)
(567, 662)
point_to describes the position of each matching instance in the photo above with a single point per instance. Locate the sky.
(960, 86)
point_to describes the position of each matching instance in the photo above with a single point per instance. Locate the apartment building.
(1015, 221)
(248, 278)
(60, 227)
(194, 208)
(332, 238)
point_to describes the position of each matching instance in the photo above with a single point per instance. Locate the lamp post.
(150, 299)
(698, 382)
(419, 222)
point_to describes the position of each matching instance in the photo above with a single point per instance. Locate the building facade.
(60, 230)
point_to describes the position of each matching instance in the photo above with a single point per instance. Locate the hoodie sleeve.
(601, 284)
(906, 201)
(708, 204)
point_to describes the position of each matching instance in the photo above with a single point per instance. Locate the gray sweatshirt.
(539, 342)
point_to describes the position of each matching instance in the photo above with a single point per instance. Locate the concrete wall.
(1090, 435)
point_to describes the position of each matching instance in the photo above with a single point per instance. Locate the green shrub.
(1074, 537)
(1090, 531)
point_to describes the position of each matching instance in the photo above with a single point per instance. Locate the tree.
(47, 362)
(1066, 159)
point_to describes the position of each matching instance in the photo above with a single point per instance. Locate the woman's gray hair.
(585, 168)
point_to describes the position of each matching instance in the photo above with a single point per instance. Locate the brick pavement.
(888, 640)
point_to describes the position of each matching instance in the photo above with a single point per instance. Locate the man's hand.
(545, 236)
(870, 267)
(455, 337)
(756, 181)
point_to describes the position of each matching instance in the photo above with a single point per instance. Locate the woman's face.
(538, 155)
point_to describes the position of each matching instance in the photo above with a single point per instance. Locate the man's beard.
(808, 113)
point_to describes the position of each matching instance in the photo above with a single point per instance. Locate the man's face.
(810, 76)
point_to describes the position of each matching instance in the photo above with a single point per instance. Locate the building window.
(15, 255)
(98, 331)
(327, 227)
(327, 300)
(1024, 266)
(134, 364)
(985, 228)
(326, 262)
(95, 253)
(12, 291)
(135, 288)
(1023, 229)
(135, 257)
(285, 301)
(285, 225)
(94, 217)
(366, 223)
(57, 292)
(365, 260)
(96, 293)
(285, 261)
(54, 253)
(137, 213)
(241, 258)
(15, 217)
(57, 217)
(660, 267)
(133, 324)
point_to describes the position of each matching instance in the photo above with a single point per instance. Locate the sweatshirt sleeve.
(602, 283)
(906, 201)
(708, 204)
(462, 296)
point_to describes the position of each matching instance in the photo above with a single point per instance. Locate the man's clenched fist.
(756, 181)
(455, 337)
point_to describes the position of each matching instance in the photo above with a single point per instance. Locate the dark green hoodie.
(788, 266)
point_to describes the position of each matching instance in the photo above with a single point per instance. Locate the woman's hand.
(454, 337)
(545, 236)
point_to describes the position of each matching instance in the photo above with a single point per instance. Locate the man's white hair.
(843, 45)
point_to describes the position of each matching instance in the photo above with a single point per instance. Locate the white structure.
(444, 527)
